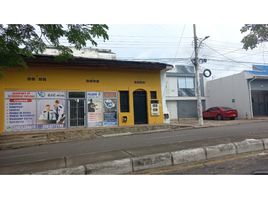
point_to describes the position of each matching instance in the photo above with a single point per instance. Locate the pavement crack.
(132, 155)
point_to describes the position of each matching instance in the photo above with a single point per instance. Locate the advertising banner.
(51, 110)
(51, 95)
(20, 111)
(95, 109)
(19, 95)
(110, 109)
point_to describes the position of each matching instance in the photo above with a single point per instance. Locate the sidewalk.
(214, 123)
(27, 139)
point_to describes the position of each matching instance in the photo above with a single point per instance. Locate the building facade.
(246, 91)
(180, 92)
(82, 92)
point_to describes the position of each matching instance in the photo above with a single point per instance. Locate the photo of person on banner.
(59, 112)
(91, 106)
(47, 114)
(52, 112)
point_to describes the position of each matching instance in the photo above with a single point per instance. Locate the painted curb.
(151, 161)
(220, 150)
(189, 155)
(64, 171)
(249, 145)
(123, 166)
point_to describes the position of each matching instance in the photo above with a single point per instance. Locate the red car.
(220, 113)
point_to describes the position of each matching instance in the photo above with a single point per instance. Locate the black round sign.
(207, 73)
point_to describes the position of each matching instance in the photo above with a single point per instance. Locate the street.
(134, 145)
(251, 163)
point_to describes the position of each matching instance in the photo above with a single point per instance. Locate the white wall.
(163, 79)
(172, 86)
(172, 109)
(86, 53)
(220, 92)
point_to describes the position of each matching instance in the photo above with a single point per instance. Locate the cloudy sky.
(174, 44)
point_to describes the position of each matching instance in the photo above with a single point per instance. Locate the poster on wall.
(110, 109)
(20, 110)
(51, 110)
(95, 109)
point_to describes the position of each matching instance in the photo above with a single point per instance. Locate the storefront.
(80, 93)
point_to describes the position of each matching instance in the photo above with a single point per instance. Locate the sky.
(173, 44)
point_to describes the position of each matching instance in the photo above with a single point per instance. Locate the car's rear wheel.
(219, 117)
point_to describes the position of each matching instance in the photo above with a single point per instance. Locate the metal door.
(140, 107)
(76, 112)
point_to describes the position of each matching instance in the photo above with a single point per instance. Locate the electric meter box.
(155, 108)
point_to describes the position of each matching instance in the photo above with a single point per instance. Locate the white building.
(180, 92)
(86, 53)
(247, 92)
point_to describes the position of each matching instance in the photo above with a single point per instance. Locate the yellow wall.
(74, 79)
(2, 111)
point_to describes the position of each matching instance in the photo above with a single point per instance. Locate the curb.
(188, 155)
(129, 165)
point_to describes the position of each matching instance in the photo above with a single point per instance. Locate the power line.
(223, 55)
(180, 40)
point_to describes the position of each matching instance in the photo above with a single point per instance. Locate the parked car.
(220, 113)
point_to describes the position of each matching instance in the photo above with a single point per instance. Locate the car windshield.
(226, 108)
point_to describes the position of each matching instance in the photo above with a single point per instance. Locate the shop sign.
(49, 95)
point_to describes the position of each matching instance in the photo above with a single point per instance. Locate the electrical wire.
(180, 40)
(223, 55)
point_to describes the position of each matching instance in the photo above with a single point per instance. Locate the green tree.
(256, 34)
(18, 42)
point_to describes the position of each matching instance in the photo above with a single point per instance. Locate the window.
(186, 82)
(182, 83)
(153, 95)
(214, 109)
(189, 82)
(124, 101)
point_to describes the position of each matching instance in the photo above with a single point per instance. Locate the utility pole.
(197, 79)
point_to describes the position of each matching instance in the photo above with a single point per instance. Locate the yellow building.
(82, 92)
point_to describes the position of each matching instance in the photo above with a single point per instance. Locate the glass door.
(77, 112)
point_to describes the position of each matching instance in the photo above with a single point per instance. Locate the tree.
(256, 34)
(18, 42)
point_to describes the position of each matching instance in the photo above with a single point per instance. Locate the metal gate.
(260, 103)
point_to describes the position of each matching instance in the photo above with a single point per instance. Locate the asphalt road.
(244, 164)
(133, 145)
